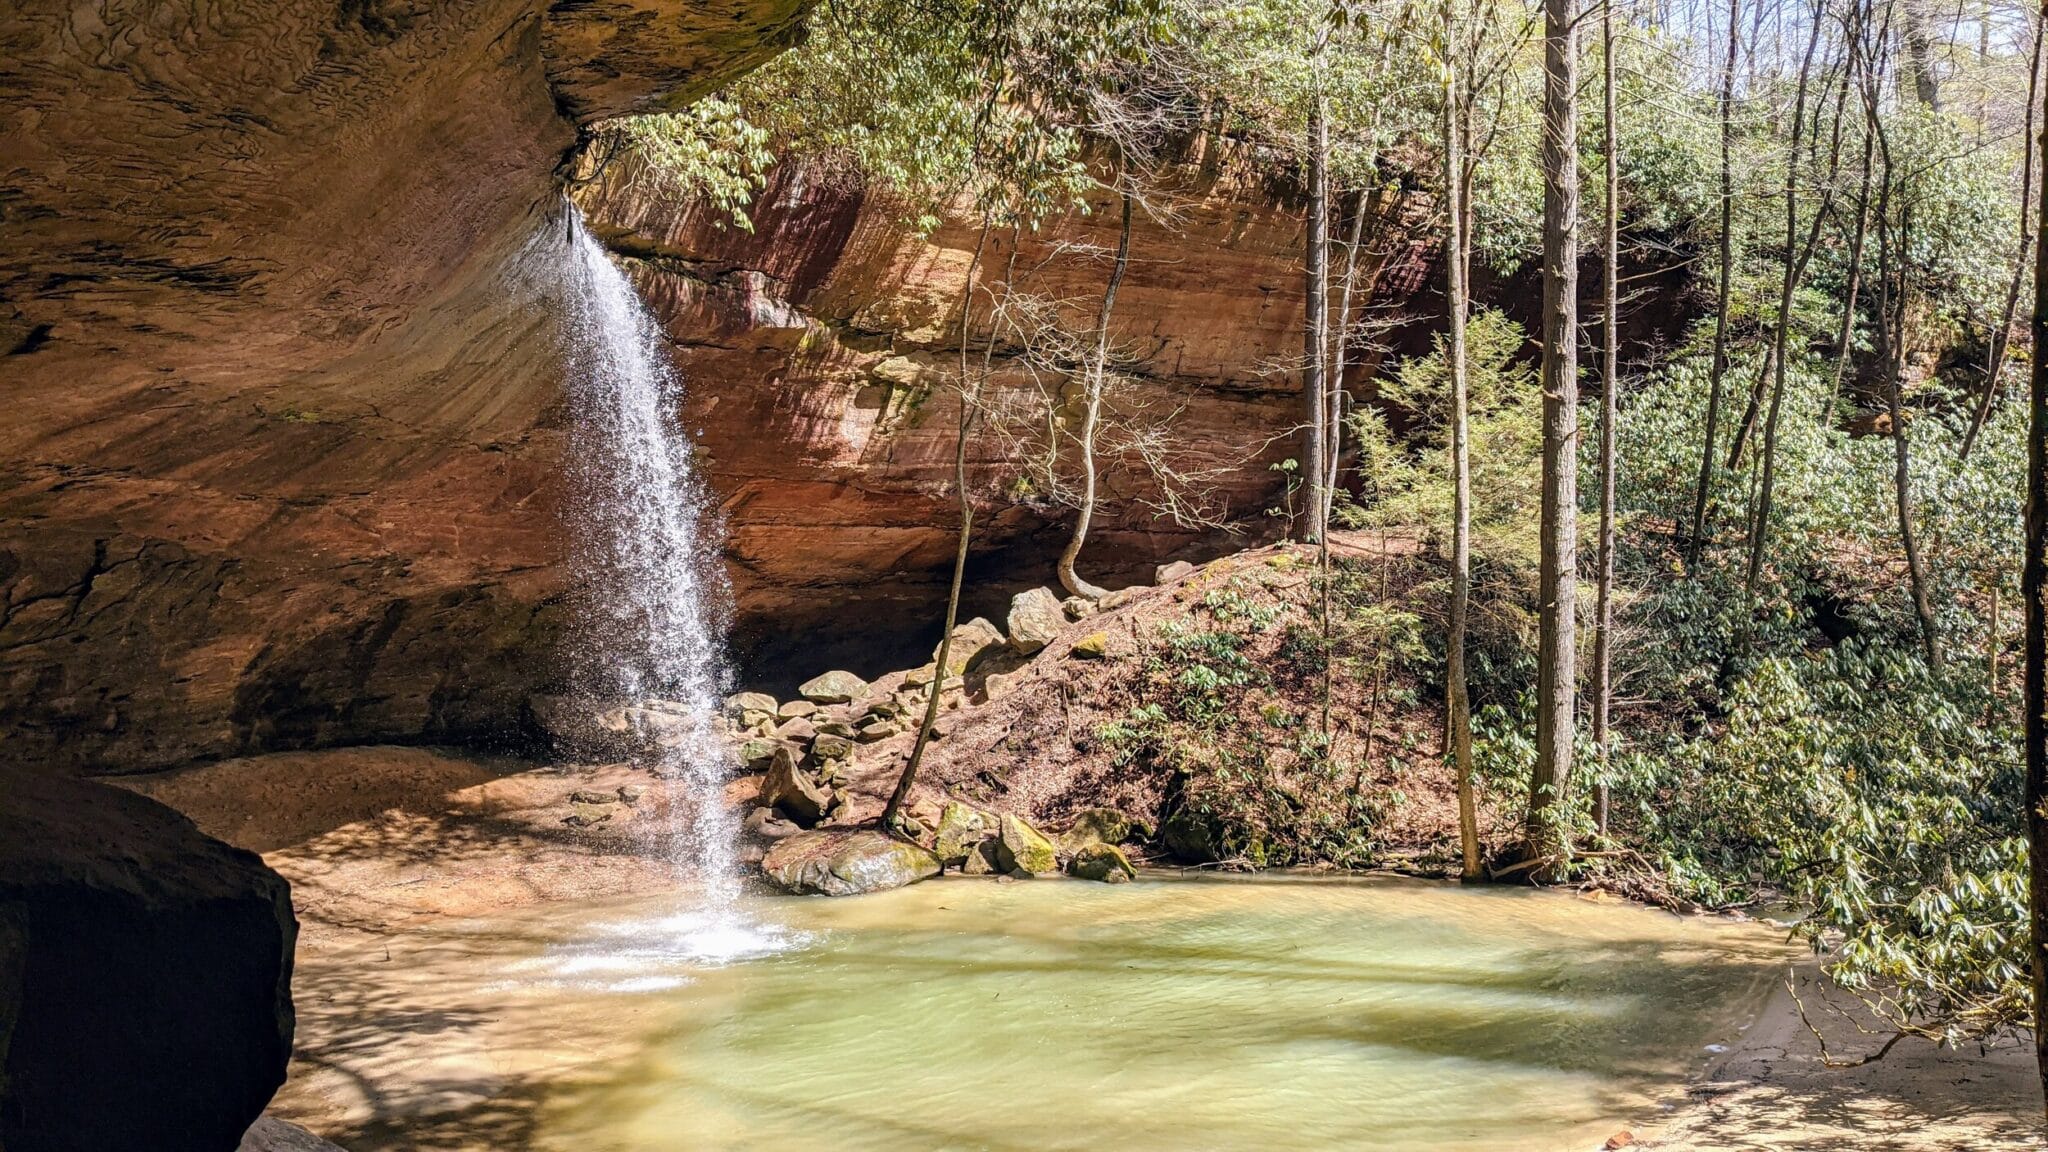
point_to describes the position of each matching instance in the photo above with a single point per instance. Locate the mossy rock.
(790, 790)
(1104, 862)
(1093, 646)
(960, 830)
(1094, 826)
(1190, 837)
(1025, 850)
(842, 863)
(835, 687)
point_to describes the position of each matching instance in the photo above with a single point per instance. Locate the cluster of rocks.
(971, 842)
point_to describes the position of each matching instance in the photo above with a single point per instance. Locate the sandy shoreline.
(399, 847)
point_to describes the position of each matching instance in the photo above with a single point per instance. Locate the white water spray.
(645, 556)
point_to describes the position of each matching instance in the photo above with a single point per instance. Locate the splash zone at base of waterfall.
(650, 594)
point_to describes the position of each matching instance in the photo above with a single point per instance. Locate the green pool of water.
(1262, 1013)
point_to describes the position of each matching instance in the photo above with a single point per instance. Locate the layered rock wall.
(822, 354)
(281, 441)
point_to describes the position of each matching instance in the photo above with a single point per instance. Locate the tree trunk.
(1610, 404)
(1845, 339)
(1315, 339)
(2001, 336)
(1702, 493)
(2034, 633)
(1549, 829)
(1340, 342)
(1795, 264)
(1457, 701)
(1093, 382)
(892, 811)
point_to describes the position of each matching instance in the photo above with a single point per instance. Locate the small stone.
(741, 703)
(831, 747)
(796, 709)
(1120, 597)
(763, 822)
(879, 730)
(631, 793)
(970, 640)
(1077, 607)
(1281, 560)
(888, 708)
(586, 816)
(796, 730)
(1093, 646)
(585, 796)
(835, 687)
(755, 753)
(1035, 618)
(920, 677)
(1621, 1139)
(1025, 849)
(1168, 573)
(1104, 862)
(786, 787)
(998, 684)
(835, 728)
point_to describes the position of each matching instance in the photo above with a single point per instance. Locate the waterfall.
(644, 559)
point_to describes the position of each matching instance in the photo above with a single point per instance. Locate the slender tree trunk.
(1892, 326)
(1094, 381)
(1339, 360)
(1845, 338)
(2001, 336)
(1610, 407)
(2034, 632)
(1795, 264)
(1549, 828)
(1457, 702)
(892, 812)
(1702, 492)
(1315, 339)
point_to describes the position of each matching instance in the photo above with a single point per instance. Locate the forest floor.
(389, 847)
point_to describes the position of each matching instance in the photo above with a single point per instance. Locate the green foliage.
(708, 151)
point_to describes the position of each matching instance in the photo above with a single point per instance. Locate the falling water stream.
(652, 591)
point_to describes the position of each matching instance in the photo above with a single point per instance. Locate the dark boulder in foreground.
(145, 974)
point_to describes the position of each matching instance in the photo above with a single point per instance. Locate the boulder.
(970, 640)
(1105, 862)
(787, 788)
(1093, 646)
(1025, 849)
(984, 859)
(959, 831)
(754, 754)
(1190, 837)
(1035, 618)
(269, 1134)
(835, 687)
(740, 703)
(1094, 826)
(839, 862)
(145, 974)
(1168, 573)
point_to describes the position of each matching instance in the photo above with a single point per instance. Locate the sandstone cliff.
(280, 443)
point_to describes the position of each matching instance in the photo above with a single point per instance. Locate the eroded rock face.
(145, 974)
(818, 347)
(281, 460)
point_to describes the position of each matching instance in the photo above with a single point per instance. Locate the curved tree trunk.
(1094, 379)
